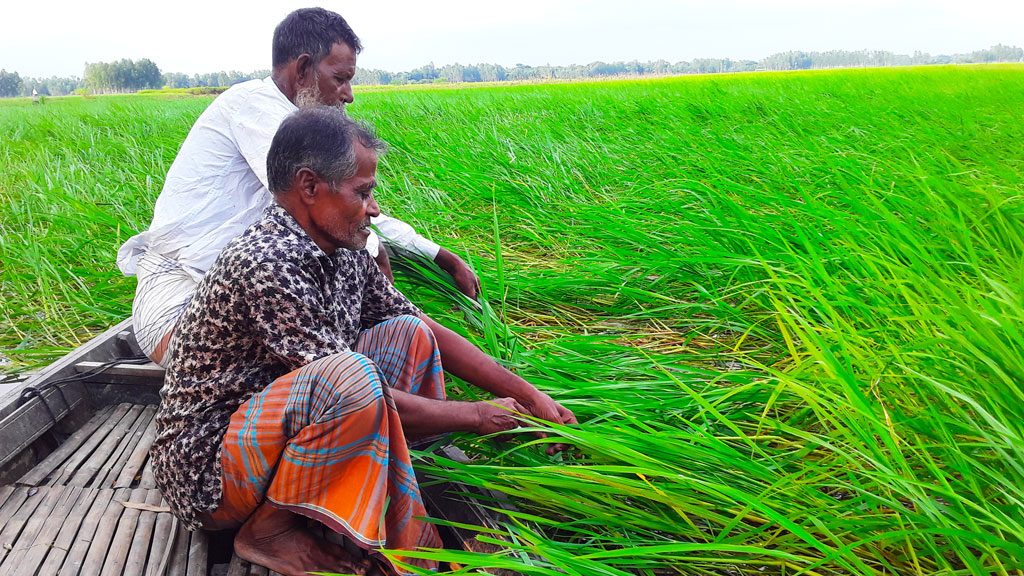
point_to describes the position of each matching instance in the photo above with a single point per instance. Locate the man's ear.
(305, 184)
(304, 72)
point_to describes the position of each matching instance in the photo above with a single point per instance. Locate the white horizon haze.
(57, 38)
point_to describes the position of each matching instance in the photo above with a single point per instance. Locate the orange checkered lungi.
(326, 442)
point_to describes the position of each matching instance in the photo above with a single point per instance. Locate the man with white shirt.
(217, 185)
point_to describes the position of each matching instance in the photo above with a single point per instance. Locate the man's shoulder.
(266, 243)
(259, 92)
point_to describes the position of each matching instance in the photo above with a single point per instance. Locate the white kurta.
(217, 185)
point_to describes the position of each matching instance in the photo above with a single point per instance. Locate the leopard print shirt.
(272, 303)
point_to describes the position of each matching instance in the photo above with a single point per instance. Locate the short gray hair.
(321, 139)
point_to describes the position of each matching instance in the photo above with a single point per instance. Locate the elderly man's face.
(342, 217)
(332, 80)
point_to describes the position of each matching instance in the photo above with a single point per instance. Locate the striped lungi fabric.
(163, 290)
(326, 442)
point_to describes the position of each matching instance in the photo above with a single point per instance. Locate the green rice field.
(787, 308)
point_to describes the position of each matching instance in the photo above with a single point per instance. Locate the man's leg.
(163, 290)
(277, 539)
(405, 351)
(325, 442)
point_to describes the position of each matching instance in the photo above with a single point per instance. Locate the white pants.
(163, 291)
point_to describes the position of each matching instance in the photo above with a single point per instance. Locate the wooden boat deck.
(91, 507)
(77, 495)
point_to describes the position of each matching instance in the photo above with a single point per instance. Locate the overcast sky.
(57, 37)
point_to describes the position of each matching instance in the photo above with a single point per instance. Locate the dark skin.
(332, 76)
(337, 217)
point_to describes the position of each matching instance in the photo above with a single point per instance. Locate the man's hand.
(461, 358)
(541, 406)
(499, 415)
(465, 280)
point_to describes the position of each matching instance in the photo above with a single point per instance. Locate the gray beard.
(311, 96)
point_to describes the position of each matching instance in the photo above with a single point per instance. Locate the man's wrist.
(478, 418)
(447, 261)
(526, 393)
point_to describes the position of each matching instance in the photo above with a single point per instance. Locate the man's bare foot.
(277, 539)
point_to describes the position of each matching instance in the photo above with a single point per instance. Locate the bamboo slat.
(178, 562)
(144, 539)
(88, 533)
(101, 540)
(117, 552)
(147, 480)
(112, 469)
(41, 471)
(103, 452)
(163, 528)
(131, 469)
(13, 526)
(13, 504)
(237, 567)
(75, 528)
(198, 552)
(71, 500)
(68, 468)
(13, 550)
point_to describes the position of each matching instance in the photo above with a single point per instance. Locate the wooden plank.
(32, 419)
(147, 480)
(108, 345)
(198, 551)
(143, 538)
(85, 473)
(11, 555)
(39, 472)
(160, 548)
(94, 537)
(107, 473)
(237, 567)
(14, 550)
(177, 565)
(72, 463)
(103, 541)
(73, 527)
(71, 500)
(14, 526)
(117, 552)
(5, 492)
(12, 503)
(21, 424)
(132, 466)
(151, 373)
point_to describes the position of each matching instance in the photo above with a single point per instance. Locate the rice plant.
(786, 308)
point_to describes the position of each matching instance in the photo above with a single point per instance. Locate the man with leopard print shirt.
(298, 371)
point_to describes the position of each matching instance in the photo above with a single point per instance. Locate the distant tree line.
(455, 73)
(122, 76)
(874, 58)
(179, 80)
(781, 61)
(130, 76)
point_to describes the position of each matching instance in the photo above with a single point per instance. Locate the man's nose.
(346, 94)
(372, 209)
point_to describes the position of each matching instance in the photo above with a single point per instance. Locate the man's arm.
(422, 417)
(384, 263)
(465, 280)
(398, 233)
(461, 358)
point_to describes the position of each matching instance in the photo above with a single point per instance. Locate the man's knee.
(417, 326)
(346, 380)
